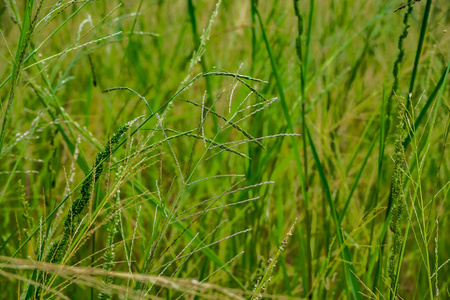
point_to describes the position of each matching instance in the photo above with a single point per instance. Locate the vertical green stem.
(191, 10)
(423, 30)
(24, 40)
(303, 78)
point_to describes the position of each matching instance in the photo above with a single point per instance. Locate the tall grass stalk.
(423, 30)
(349, 270)
(29, 22)
(303, 78)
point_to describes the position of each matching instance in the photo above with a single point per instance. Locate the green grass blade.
(347, 261)
(358, 176)
(405, 238)
(45, 40)
(303, 78)
(284, 105)
(196, 38)
(24, 40)
(423, 30)
(427, 105)
(290, 127)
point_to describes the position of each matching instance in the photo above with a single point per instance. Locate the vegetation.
(224, 149)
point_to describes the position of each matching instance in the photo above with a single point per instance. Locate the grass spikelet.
(11, 7)
(398, 61)
(26, 207)
(110, 255)
(409, 4)
(260, 286)
(59, 248)
(197, 56)
(397, 198)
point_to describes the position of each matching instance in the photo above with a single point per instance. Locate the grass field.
(227, 149)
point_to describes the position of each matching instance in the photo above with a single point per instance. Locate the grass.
(259, 157)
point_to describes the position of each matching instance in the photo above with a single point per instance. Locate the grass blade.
(347, 261)
(423, 30)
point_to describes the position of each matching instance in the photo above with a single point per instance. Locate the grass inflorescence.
(398, 199)
(59, 248)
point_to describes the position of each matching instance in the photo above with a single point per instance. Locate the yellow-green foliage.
(248, 115)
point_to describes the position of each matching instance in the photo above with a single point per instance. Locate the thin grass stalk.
(71, 146)
(291, 129)
(423, 30)
(196, 39)
(130, 41)
(12, 8)
(347, 261)
(303, 78)
(253, 5)
(294, 143)
(385, 132)
(24, 40)
(427, 105)
(381, 147)
(284, 107)
(45, 40)
(261, 284)
(395, 70)
(378, 254)
(381, 239)
(358, 176)
(401, 256)
(109, 255)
